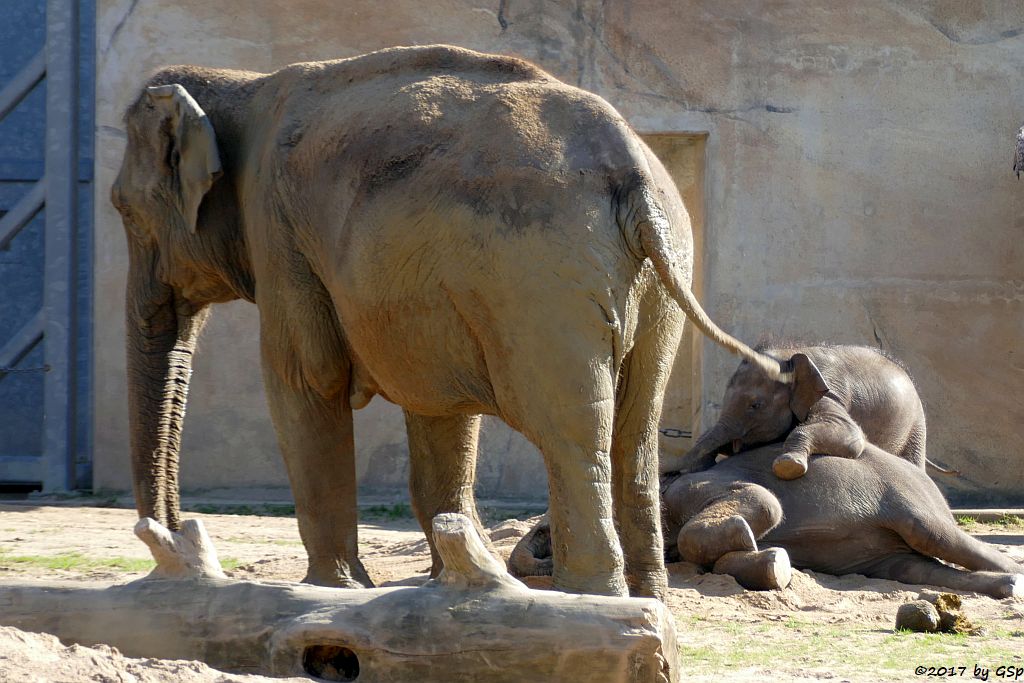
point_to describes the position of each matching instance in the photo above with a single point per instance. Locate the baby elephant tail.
(935, 468)
(648, 232)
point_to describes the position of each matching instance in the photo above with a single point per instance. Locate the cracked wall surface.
(857, 189)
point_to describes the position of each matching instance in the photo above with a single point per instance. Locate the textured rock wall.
(857, 189)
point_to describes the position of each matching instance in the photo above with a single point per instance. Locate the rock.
(919, 615)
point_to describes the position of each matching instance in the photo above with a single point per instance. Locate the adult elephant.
(460, 233)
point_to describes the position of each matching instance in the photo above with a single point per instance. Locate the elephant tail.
(935, 468)
(648, 232)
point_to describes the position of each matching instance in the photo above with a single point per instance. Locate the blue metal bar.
(59, 308)
(24, 211)
(22, 84)
(18, 346)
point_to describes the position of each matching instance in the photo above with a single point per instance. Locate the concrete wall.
(857, 188)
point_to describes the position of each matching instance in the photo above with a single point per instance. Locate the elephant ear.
(193, 155)
(808, 386)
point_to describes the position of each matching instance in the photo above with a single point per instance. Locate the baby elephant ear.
(193, 145)
(808, 385)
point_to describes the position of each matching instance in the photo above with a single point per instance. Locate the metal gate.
(46, 114)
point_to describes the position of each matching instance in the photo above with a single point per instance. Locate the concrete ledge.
(988, 514)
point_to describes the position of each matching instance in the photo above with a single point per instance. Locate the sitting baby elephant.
(839, 398)
(876, 515)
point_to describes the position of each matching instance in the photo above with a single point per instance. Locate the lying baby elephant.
(840, 397)
(876, 515)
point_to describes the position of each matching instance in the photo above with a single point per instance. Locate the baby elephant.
(875, 515)
(839, 398)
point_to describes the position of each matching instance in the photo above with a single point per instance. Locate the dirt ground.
(820, 628)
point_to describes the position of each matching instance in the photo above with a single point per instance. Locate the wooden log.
(473, 623)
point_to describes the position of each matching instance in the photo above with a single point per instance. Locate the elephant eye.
(757, 405)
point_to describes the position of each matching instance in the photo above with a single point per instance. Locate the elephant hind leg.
(575, 441)
(635, 461)
(940, 537)
(442, 470)
(734, 516)
(565, 406)
(917, 569)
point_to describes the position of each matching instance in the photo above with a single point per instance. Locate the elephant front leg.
(829, 432)
(316, 439)
(442, 470)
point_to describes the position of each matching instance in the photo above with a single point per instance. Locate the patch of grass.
(388, 513)
(262, 541)
(1009, 521)
(839, 648)
(966, 521)
(493, 515)
(76, 562)
(229, 563)
(1006, 521)
(264, 510)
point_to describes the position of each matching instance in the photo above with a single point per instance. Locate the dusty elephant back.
(488, 185)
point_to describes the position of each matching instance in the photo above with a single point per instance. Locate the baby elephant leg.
(532, 554)
(830, 433)
(731, 519)
(758, 570)
(913, 568)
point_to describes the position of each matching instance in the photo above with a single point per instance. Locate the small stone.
(919, 615)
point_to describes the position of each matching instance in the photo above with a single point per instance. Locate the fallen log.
(473, 622)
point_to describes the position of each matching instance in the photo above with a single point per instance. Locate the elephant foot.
(790, 466)
(592, 584)
(338, 575)
(1010, 587)
(703, 541)
(647, 584)
(758, 570)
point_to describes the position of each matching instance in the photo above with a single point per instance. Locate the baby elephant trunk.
(702, 456)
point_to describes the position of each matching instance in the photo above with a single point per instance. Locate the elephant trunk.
(702, 455)
(161, 336)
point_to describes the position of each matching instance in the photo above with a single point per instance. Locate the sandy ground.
(820, 628)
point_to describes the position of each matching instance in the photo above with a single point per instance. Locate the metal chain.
(673, 433)
(5, 370)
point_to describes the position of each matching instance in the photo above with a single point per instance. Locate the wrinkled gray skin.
(839, 398)
(876, 515)
(460, 233)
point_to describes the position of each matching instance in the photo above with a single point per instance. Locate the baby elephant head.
(755, 410)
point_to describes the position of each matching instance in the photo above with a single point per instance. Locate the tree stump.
(473, 622)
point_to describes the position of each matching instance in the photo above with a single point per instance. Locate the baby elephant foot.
(704, 541)
(790, 466)
(1011, 586)
(765, 570)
